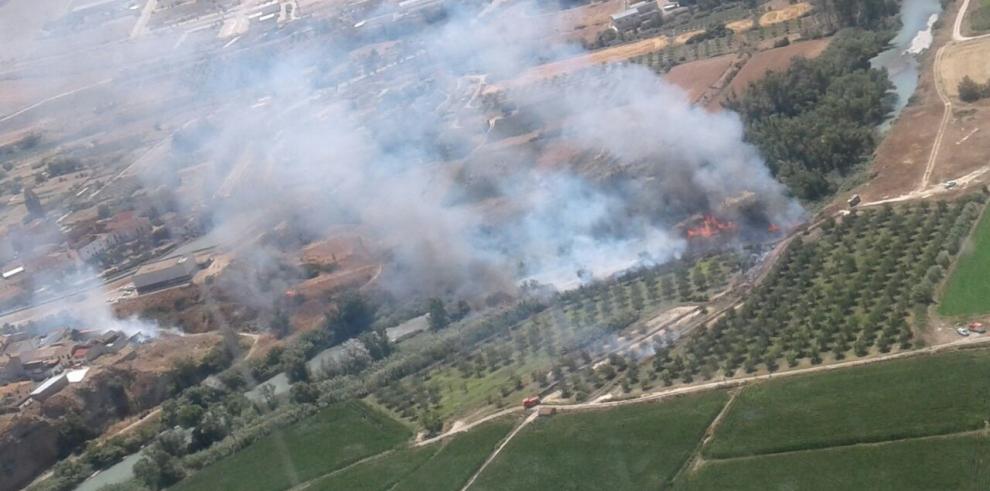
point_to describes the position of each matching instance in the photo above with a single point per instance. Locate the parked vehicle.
(977, 327)
(962, 331)
(531, 402)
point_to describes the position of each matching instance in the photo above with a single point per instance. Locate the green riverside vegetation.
(636, 447)
(335, 437)
(968, 289)
(815, 122)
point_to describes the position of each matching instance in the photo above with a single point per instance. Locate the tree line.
(815, 122)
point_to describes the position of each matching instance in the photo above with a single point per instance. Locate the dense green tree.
(438, 314)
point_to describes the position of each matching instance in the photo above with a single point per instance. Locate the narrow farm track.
(696, 460)
(941, 436)
(532, 417)
(307, 484)
(664, 393)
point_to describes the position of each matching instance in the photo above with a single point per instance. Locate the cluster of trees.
(352, 319)
(815, 122)
(682, 281)
(850, 292)
(714, 31)
(61, 165)
(972, 91)
(866, 14)
(441, 318)
(563, 338)
(75, 436)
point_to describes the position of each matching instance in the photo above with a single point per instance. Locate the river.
(917, 20)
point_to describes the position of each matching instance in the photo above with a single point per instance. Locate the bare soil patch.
(964, 145)
(696, 77)
(608, 55)
(777, 60)
(584, 23)
(901, 158)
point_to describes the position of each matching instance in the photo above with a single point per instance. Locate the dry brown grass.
(966, 59)
(785, 14)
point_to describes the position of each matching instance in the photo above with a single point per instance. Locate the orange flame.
(710, 227)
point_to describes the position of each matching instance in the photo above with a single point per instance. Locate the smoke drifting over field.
(392, 164)
(405, 149)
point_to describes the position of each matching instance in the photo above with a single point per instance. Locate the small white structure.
(76, 376)
(13, 272)
(49, 387)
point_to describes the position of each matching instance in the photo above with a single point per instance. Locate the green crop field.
(437, 467)
(635, 447)
(958, 462)
(926, 395)
(458, 459)
(968, 289)
(337, 436)
(377, 474)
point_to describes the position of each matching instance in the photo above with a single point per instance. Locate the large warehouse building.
(164, 273)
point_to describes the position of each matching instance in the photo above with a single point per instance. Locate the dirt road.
(532, 417)
(925, 188)
(664, 393)
(957, 34)
(53, 98)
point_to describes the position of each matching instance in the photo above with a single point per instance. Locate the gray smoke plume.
(448, 165)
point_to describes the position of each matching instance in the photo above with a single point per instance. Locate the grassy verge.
(979, 20)
(438, 467)
(939, 394)
(968, 289)
(635, 447)
(335, 437)
(959, 463)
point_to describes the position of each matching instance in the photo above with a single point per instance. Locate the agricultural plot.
(959, 462)
(968, 289)
(337, 436)
(444, 466)
(851, 292)
(898, 399)
(665, 59)
(556, 346)
(635, 447)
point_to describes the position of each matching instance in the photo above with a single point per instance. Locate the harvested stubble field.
(965, 59)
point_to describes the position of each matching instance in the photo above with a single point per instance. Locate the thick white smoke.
(413, 147)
